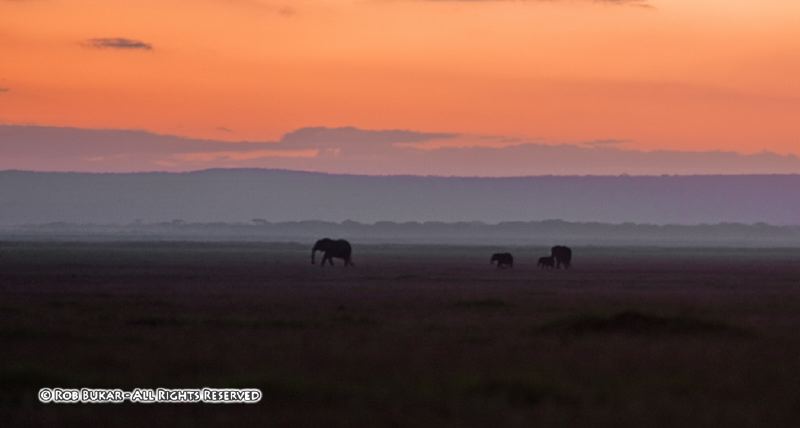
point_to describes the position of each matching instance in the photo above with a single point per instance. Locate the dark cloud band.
(362, 151)
(118, 43)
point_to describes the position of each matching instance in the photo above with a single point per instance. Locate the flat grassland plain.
(412, 336)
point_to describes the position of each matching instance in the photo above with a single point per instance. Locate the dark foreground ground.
(413, 336)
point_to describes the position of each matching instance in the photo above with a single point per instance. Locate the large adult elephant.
(331, 249)
(563, 256)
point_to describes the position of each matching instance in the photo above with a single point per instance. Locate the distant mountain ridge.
(238, 195)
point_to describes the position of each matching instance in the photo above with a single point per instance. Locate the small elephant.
(502, 260)
(547, 262)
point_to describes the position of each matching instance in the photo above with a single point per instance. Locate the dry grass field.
(412, 336)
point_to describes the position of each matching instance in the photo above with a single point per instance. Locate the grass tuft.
(482, 303)
(637, 323)
(518, 392)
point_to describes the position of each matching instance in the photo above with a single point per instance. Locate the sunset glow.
(681, 75)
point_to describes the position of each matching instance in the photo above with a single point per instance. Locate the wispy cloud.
(284, 9)
(2, 90)
(645, 4)
(118, 43)
(287, 11)
(605, 143)
(363, 139)
(612, 2)
(238, 156)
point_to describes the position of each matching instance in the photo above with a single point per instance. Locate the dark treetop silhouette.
(563, 256)
(547, 262)
(502, 259)
(331, 249)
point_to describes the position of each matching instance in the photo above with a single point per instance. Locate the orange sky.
(680, 75)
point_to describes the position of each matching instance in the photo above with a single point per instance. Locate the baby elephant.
(502, 259)
(548, 262)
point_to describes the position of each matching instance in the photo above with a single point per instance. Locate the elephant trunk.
(313, 253)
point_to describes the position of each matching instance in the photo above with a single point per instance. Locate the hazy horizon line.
(256, 222)
(354, 174)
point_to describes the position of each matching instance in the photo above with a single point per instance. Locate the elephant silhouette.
(547, 262)
(562, 255)
(339, 249)
(502, 260)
